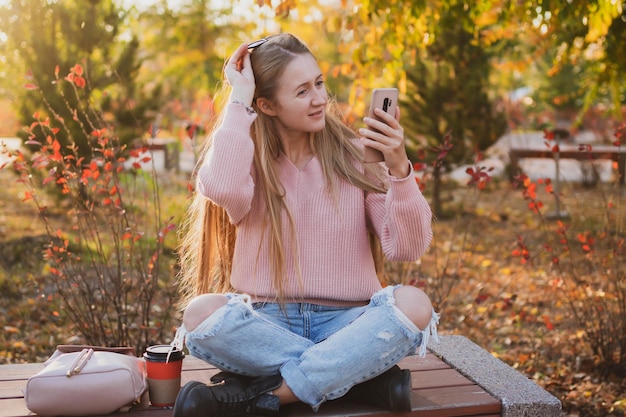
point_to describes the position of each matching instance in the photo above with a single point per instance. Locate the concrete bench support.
(520, 396)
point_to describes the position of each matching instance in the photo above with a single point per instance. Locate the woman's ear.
(265, 106)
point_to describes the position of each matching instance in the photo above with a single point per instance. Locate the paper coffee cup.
(164, 364)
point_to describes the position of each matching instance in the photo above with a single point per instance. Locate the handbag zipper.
(80, 362)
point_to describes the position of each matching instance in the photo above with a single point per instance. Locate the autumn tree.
(447, 96)
(47, 38)
(571, 52)
(183, 49)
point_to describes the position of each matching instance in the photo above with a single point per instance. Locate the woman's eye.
(320, 83)
(301, 92)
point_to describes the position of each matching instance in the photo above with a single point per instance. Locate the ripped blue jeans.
(320, 351)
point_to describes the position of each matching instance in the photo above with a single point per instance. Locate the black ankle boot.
(390, 390)
(224, 377)
(230, 398)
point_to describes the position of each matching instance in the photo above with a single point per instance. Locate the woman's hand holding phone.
(383, 136)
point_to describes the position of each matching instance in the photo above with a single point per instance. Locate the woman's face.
(300, 101)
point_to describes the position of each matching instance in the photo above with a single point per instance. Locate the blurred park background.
(103, 109)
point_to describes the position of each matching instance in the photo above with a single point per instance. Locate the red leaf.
(481, 298)
(80, 82)
(27, 196)
(77, 69)
(548, 323)
(419, 166)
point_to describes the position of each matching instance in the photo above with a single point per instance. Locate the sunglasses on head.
(258, 43)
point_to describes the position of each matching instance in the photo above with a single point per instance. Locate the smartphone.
(387, 100)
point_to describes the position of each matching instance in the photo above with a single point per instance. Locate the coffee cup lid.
(163, 353)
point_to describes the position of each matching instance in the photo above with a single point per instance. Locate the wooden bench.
(169, 147)
(572, 152)
(456, 378)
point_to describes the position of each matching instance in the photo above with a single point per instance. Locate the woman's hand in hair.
(239, 75)
(387, 136)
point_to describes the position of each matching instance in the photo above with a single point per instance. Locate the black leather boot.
(224, 377)
(231, 397)
(390, 390)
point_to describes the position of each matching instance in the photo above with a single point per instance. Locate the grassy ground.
(517, 312)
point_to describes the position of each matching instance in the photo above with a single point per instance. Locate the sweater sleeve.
(401, 218)
(225, 176)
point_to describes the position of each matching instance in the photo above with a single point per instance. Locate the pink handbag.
(90, 381)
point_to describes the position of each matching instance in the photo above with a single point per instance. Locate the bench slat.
(438, 378)
(467, 400)
(16, 372)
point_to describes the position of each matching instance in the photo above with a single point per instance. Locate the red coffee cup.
(164, 365)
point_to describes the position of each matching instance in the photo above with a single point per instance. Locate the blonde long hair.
(208, 238)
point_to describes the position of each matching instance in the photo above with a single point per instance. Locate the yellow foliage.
(601, 16)
(19, 345)
(402, 83)
(325, 67)
(346, 69)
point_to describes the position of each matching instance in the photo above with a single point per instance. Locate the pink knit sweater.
(334, 255)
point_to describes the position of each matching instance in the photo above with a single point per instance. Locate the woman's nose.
(319, 97)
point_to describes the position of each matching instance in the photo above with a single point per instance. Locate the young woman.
(284, 247)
